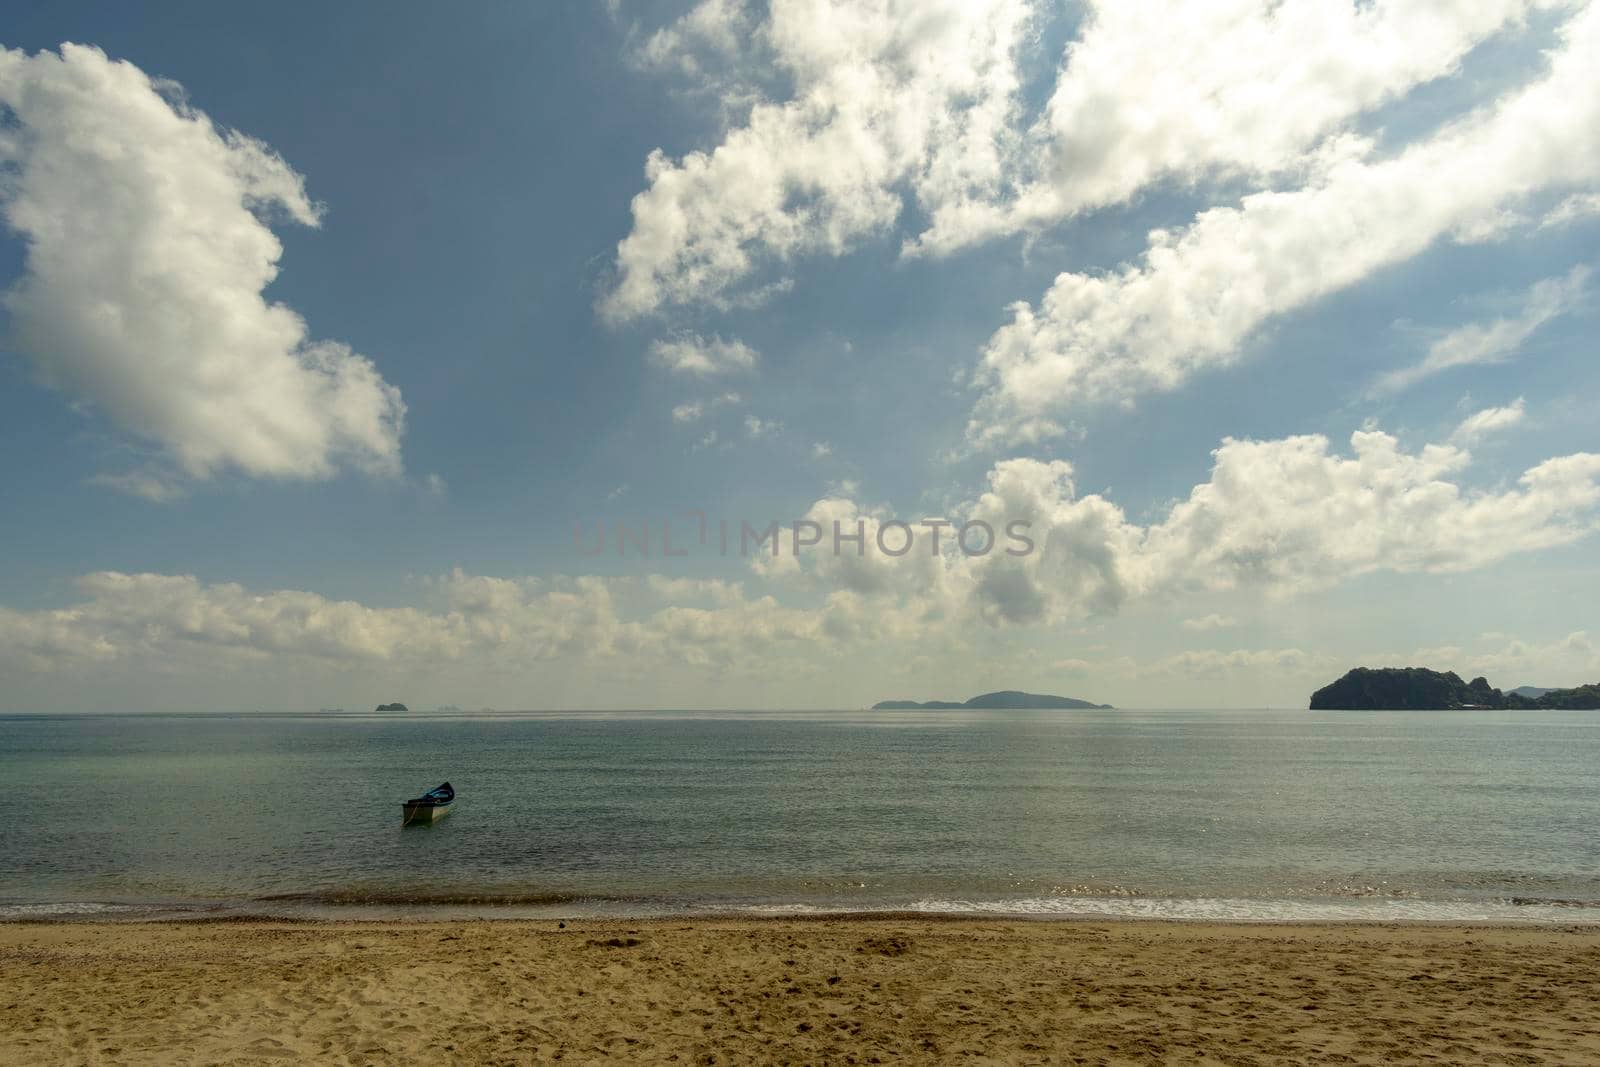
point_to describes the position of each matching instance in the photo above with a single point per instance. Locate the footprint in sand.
(614, 942)
(267, 1046)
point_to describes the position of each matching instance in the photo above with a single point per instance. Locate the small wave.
(1552, 902)
(1097, 889)
(1365, 891)
(70, 909)
(409, 898)
(1211, 909)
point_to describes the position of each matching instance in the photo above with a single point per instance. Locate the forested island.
(1420, 689)
(1005, 698)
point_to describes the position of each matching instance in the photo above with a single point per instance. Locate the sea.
(1183, 815)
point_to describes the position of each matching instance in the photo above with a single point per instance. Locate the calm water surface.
(1172, 813)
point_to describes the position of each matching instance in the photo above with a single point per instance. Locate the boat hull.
(423, 813)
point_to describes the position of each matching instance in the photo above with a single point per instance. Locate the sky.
(1261, 336)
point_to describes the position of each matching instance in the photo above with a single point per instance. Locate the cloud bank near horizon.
(1283, 517)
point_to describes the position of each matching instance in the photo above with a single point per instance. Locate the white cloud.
(694, 410)
(147, 484)
(1197, 295)
(1573, 209)
(1086, 560)
(863, 571)
(755, 428)
(893, 99)
(1283, 517)
(1186, 91)
(1289, 515)
(1490, 420)
(1509, 662)
(147, 257)
(1495, 341)
(693, 354)
(885, 92)
(821, 450)
(145, 614)
(1213, 621)
(846, 488)
(720, 28)
(1209, 663)
(481, 619)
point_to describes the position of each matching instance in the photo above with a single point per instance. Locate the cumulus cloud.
(146, 614)
(895, 101)
(756, 428)
(885, 93)
(147, 484)
(1508, 662)
(1197, 295)
(1214, 621)
(1213, 663)
(1495, 341)
(1572, 209)
(715, 28)
(481, 619)
(891, 103)
(1182, 91)
(1490, 420)
(694, 410)
(148, 251)
(872, 562)
(1291, 515)
(1282, 517)
(693, 354)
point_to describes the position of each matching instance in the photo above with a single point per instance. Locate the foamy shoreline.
(344, 908)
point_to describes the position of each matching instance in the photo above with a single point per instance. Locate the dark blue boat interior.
(444, 794)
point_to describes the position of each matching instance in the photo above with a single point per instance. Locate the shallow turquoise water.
(1178, 813)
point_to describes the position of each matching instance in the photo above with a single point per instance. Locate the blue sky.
(480, 251)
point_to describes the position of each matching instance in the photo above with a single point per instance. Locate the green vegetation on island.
(1420, 689)
(1005, 698)
(393, 707)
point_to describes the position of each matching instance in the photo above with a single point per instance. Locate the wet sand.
(836, 991)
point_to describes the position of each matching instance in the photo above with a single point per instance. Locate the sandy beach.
(837, 990)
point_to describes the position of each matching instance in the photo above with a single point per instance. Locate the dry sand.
(836, 991)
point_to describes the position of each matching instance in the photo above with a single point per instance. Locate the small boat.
(434, 804)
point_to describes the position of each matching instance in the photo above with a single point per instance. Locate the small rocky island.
(393, 707)
(1006, 698)
(1420, 689)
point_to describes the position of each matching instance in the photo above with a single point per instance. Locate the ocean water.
(1173, 814)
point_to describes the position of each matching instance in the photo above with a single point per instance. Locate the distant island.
(393, 707)
(1420, 689)
(1006, 698)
